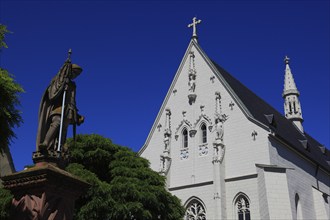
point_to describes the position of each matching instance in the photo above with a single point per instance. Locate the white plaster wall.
(204, 193)
(321, 205)
(301, 179)
(247, 186)
(277, 195)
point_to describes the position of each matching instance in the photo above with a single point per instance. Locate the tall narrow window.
(203, 133)
(298, 207)
(294, 107)
(290, 108)
(185, 138)
(242, 206)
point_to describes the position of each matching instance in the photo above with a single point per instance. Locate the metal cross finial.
(193, 24)
(286, 60)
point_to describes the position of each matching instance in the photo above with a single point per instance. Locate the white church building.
(227, 154)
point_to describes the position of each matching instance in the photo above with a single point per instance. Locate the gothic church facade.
(227, 154)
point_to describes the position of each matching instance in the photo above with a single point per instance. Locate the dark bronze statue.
(54, 117)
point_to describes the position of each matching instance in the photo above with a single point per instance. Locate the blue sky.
(130, 51)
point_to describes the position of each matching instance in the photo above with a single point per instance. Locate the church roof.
(283, 128)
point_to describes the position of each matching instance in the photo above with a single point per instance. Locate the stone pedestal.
(44, 192)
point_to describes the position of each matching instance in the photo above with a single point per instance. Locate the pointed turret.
(292, 108)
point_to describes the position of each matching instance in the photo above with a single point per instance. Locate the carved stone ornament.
(192, 132)
(203, 149)
(203, 117)
(184, 122)
(218, 151)
(165, 163)
(167, 143)
(184, 154)
(165, 159)
(192, 98)
(192, 78)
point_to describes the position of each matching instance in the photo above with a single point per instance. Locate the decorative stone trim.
(165, 163)
(192, 98)
(203, 117)
(192, 78)
(184, 122)
(218, 151)
(192, 132)
(203, 149)
(231, 105)
(165, 158)
(254, 134)
(184, 154)
(212, 78)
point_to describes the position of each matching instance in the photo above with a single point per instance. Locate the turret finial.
(286, 59)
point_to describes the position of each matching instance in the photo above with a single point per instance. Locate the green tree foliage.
(5, 202)
(123, 185)
(3, 32)
(10, 116)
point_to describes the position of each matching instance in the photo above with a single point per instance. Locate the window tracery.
(195, 211)
(242, 206)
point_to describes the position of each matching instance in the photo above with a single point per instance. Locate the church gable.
(199, 102)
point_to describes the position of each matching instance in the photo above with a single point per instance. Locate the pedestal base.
(56, 158)
(43, 192)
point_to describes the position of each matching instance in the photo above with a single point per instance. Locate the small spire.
(193, 25)
(289, 83)
(292, 107)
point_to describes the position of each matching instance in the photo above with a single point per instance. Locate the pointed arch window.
(185, 138)
(203, 134)
(290, 108)
(242, 207)
(195, 210)
(298, 207)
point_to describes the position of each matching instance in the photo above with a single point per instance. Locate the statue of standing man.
(54, 117)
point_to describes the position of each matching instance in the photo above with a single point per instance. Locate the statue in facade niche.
(58, 109)
(192, 83)
(218, 129)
